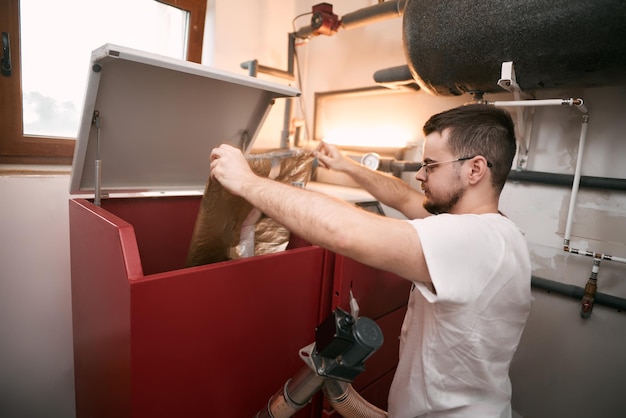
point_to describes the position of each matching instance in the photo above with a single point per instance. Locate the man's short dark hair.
(478, 129)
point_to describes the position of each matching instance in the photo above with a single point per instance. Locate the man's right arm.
(387, 189)
(378, 241)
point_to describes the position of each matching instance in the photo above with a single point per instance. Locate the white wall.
(36, 359)
(566, 366)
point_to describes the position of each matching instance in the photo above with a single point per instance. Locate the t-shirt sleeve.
(462, 254)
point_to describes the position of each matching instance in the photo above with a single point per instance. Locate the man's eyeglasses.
(428, 166)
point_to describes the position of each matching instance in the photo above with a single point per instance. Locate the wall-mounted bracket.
(508, 81)
(524, 116)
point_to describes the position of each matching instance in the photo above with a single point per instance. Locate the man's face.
(441, 183)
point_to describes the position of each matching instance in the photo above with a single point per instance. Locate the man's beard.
(443, 205)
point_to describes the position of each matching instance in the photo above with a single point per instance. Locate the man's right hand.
(230, 168)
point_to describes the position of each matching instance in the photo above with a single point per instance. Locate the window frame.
(17, 148)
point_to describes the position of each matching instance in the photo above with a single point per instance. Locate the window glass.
(57, 38)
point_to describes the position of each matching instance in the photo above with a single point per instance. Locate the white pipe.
(525, 131)
(581, 144)
(613, 258)
(542, 102)
(529, 103)
(576, 183)
(595, 255)
(580, 105)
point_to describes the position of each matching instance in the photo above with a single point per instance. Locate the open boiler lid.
(152, 121)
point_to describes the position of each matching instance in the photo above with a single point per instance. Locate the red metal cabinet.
(215, 340)
(152, 338)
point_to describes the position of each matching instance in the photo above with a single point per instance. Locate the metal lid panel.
(160, 118)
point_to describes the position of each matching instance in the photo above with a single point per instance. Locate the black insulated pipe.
(567, 180)
(396, 77)
(382, 11)
(577, 292)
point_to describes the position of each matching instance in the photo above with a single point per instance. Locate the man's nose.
(421, 174)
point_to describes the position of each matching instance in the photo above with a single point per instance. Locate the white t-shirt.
(459, 337)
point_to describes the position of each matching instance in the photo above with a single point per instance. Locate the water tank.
(458, 46)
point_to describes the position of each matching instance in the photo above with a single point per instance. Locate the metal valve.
(324, 21)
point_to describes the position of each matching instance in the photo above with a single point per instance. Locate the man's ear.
(478, 169)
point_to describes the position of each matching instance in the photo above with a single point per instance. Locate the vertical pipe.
(576, 183)
(291, 57)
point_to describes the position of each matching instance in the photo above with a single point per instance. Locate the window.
(26, 137)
